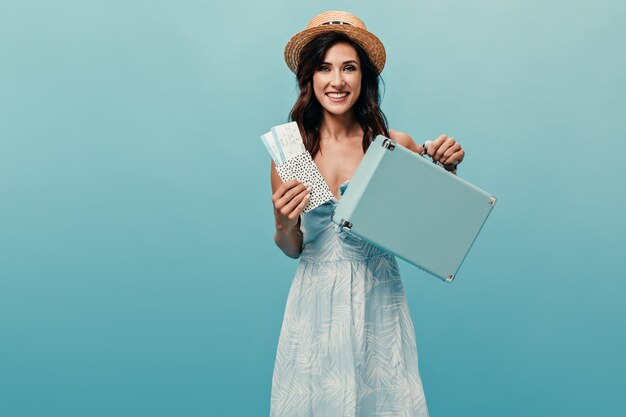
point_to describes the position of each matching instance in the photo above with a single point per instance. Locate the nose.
(337, 80)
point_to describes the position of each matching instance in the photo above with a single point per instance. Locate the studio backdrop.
(138, 272)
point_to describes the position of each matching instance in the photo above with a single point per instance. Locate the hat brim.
(368, 41)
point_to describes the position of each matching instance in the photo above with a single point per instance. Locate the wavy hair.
(307, 111)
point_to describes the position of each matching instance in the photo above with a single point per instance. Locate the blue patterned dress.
(347, 344)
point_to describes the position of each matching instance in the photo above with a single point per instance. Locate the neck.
(339, 126)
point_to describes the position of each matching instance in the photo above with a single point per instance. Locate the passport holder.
(302, 168)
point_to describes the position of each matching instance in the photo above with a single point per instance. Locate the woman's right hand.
(289, 200)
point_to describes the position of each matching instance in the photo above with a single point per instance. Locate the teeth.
(337, 95)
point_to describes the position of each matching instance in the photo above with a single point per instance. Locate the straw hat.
(336, 21)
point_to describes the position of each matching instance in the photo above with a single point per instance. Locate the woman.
(347, 344)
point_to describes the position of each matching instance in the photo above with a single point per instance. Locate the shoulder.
(404, 139)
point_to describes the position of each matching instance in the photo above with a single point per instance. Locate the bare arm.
(289, 199)
(405, 140)
(444, 149)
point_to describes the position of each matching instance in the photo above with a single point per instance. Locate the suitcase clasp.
(389, 144)
(345, 225)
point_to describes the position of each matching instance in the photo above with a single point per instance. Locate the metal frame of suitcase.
(405, 204)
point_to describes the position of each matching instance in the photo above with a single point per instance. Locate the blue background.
(138, 274)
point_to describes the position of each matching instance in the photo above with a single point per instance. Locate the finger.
(445, 157)
(288, 185)
(291, 210)
(290, 194)
(291, 205)
(455, 158)
(419, 149)
(448, 143)
(432, 149)
(300, 208)
(283, 188)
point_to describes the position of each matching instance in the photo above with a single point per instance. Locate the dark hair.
(307, 111)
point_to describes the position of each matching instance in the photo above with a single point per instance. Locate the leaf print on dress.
(347, 344)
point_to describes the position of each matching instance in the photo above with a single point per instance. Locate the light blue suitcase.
(405, 204)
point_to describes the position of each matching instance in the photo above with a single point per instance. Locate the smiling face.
(337, 81)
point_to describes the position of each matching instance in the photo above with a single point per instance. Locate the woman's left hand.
(446, 150)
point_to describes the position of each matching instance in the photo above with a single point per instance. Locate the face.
(337, 81)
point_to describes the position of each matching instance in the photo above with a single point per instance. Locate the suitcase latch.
(389, 144)
(345, 225)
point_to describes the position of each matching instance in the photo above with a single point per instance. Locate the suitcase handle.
(447, 167)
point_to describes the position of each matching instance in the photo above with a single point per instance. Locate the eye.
(324, 67)
(350, 68)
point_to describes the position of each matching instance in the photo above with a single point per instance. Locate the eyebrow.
(343, 63)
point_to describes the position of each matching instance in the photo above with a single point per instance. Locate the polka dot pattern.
(302, 168)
